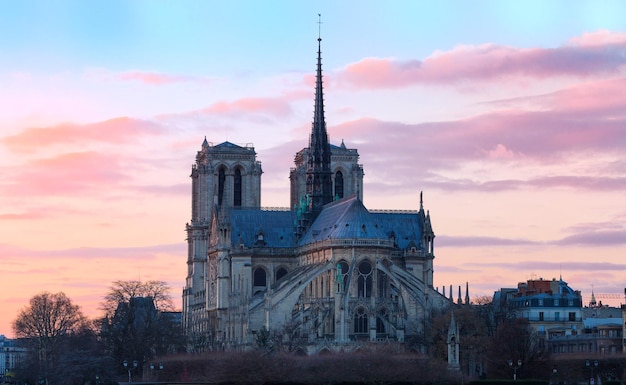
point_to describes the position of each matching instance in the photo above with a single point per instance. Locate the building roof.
(349, 219)
(275, 226)
(343, 219)
(590, 323)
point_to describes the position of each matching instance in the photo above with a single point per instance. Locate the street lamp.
(129, 368)
(591, 365)
(515, 367)
(153, 366)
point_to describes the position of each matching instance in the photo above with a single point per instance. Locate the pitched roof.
(344, 219)
(276, 226)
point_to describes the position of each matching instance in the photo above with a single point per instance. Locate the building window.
(572, 316)
(570, 302)
(365, 280)
(360, 321)
(338, 185)
(221, 181)
(281, 273)
(557, 316)
(380, 321)
(260, 278)
(540, 316)
(237, 188)
(540, 301)
(556, 302)
(382, 284)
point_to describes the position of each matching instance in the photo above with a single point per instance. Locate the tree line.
(65, 347)
(138, 338)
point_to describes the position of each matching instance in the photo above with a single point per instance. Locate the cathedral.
(323, 273)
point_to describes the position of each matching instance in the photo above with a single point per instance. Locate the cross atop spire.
(319, 28)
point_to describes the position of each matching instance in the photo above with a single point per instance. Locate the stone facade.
(324, 273)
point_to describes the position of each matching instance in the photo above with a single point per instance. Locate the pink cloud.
(599, 38)
(118, 130)
(586, 117)
(466, 63)
(67, 174)
(144, 77)
(21, 216)
(272, 106)
(574, 122)
(152, 78)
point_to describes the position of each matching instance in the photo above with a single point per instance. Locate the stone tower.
(224, 176)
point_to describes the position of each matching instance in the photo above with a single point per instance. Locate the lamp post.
(129, 368)
(591, 365)
(154, 366)
(515, 367)
(555, 374)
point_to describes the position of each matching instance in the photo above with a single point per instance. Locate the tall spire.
(319, 183)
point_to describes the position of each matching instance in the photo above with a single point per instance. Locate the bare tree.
(46, 323)
(124, 291)
(515, 340)
(137, 325)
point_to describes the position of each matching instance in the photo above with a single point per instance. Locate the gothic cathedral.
(324, 273)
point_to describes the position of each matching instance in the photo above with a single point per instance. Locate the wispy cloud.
(152, 78)
(140, 252)
(266, 106)
(66, 174)
(595, 54)
(117, 130)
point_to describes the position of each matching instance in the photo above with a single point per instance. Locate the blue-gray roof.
(343, 219)
(349, 219)
(277, 227)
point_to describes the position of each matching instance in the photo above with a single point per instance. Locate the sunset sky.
(509, 116)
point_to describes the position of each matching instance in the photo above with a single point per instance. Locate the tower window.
(338, 185)
(221, 181)
(237, 188)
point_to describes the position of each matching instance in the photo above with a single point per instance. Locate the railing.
(347, 243)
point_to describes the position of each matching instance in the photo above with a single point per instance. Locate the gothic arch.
(338, 184)
(382, 320)
(280, 272)
(412, 286)
(360, 321)
(365, 278)
(259, 280)
(221, 183)
(238, 186)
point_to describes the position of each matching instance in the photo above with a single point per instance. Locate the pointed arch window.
(338, 185)
(381, 319)
(221, 182)
(360, 321)
(364, 281)
(383, 284)
(281, 272)
(237, 188)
